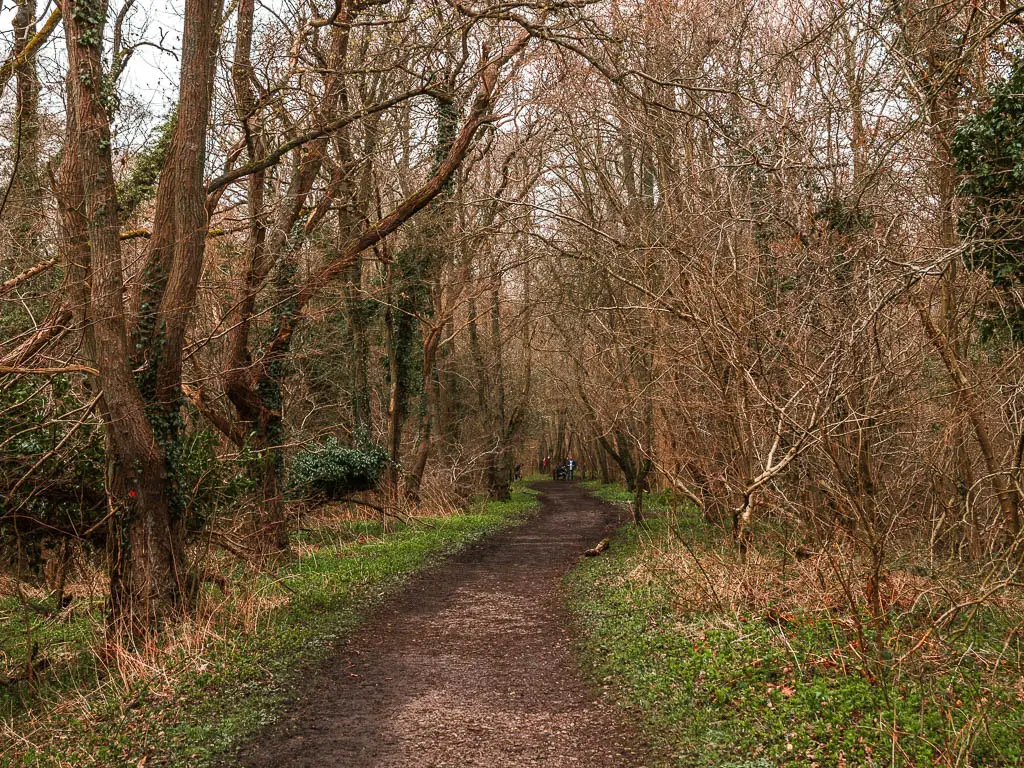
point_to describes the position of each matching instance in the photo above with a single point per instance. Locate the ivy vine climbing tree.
(141, 399)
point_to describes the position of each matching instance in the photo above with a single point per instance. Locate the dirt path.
(470, 666)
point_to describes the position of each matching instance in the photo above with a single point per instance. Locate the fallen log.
(602, 545)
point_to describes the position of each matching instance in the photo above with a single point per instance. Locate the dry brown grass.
(823, 583)
(237, 595)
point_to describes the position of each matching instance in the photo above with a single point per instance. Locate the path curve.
(470, 666)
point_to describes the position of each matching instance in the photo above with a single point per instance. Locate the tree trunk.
(623, 456)
(430, 408)
(637, 507)
(269, 528)
(1009, 498)
(602, 460)
(359, 344)
(146, 556)
(24, 197)
(398, 350)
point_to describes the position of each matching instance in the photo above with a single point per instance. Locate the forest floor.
(472, 665)
(763, 665)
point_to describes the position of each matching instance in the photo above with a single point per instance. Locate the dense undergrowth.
(220, 676)
(725, 680)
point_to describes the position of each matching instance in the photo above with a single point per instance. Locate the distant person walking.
(570, 467)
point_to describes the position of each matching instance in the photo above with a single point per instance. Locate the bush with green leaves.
(52, 471)
(989, 150)
(332, 470)
(207, 481)
(51, 466)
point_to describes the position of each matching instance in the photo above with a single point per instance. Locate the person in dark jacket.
(570, 467)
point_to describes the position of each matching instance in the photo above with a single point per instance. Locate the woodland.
(758, 266)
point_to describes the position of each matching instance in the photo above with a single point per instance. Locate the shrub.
(51, 468)
(989, 150)
(331, 469)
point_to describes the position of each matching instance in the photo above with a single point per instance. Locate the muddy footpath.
(470, 665)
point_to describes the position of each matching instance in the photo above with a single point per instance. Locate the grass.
(742, 685)
(211, 686)
(618, 493)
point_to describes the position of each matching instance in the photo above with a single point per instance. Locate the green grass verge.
(739, 691)
(196, 709)
(659, 501)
